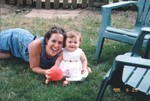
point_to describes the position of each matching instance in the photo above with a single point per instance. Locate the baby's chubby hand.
(83, 70)
(86, 69)
(89, 69)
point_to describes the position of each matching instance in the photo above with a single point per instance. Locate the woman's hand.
(47, 72)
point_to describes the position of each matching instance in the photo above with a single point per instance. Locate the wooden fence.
(50, 4)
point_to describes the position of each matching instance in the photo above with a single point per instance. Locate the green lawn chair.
(122, 35)
(130, 72)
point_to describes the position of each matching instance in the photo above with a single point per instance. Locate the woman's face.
(54, 44)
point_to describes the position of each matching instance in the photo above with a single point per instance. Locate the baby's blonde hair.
(72, 34)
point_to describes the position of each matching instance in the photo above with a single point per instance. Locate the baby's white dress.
(71, 65)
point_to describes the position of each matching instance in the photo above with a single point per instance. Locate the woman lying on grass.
(41, 53)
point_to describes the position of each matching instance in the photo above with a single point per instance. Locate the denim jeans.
(16, 42)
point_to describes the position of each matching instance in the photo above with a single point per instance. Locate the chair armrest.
(146, 29)
(129, 33)
(133, 61)
(120, 31)
(120, 4)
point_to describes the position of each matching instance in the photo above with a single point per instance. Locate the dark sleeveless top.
(46, 63)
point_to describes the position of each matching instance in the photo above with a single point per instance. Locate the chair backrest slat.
(147, 21)
(140, 10)
(143, 13)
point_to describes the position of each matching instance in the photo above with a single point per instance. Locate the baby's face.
(72, 43)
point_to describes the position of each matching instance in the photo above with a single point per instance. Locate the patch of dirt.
(7, 9)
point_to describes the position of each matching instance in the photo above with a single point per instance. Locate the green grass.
(19, 83)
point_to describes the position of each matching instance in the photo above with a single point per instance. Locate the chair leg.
(102, 89)
(99, 47)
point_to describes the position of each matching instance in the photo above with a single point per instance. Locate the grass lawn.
(19, 83)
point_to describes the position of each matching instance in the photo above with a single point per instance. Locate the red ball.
(55, 74)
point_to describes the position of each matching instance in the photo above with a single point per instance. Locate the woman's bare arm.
(34, 57)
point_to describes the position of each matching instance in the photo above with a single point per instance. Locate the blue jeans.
(16, 42)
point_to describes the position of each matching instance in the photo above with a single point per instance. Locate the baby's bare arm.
(59, 59)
